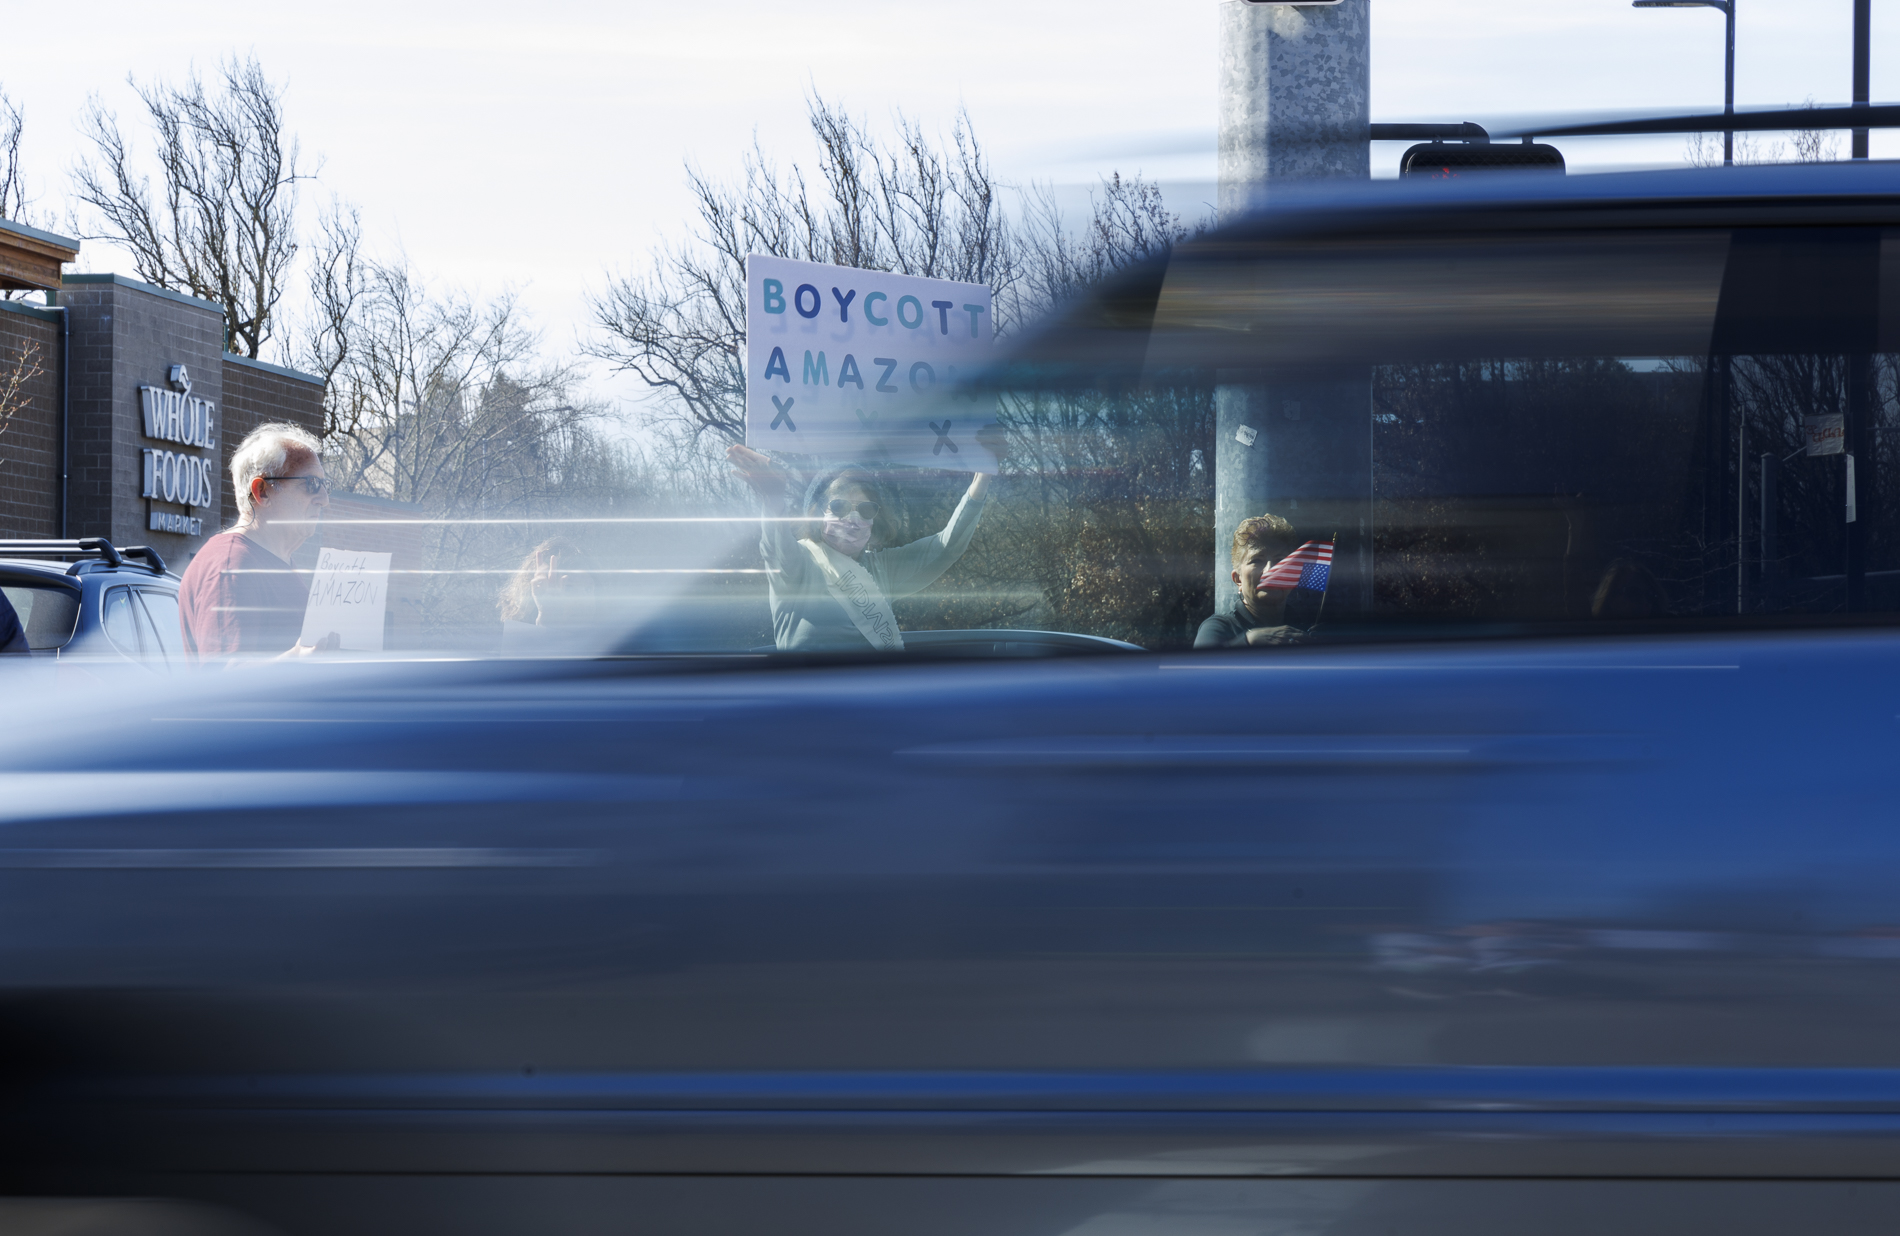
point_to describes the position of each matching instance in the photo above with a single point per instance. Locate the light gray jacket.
(805, 617)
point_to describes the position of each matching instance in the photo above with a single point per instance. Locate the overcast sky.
(538, 146)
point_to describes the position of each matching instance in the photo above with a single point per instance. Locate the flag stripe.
(1306, 567)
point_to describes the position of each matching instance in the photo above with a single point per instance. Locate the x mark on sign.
(943, 438)
(784, 407)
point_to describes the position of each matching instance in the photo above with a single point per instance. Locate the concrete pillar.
(1295, 87)
(1295, 96)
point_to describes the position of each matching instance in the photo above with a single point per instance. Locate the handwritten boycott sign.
(348, 596)
(859, 364)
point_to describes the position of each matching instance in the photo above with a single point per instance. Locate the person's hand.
(329, 643)
(1259, 636)
(554, 593)
(757, 471)
(993, 439)
(544, 584)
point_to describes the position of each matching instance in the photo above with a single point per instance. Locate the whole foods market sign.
(860, 364)
(182, 477)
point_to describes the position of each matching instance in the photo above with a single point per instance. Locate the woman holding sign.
(833, 573)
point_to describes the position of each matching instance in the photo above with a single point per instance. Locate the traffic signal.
(1447, 160)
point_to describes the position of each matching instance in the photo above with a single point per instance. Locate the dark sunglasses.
(839, 508)
(311, 484)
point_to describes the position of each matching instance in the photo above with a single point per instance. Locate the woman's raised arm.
(758, 472)
(992, 439)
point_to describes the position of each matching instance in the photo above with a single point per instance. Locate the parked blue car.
(87, 598)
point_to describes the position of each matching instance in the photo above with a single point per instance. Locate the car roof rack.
(85, 549)
(1764, 120)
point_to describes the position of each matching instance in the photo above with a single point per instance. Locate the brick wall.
(256, 394)
(29, 447)
(125, 335)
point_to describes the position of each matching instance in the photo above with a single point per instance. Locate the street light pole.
(1728, 84)
(1727, 8)
(1863, 23)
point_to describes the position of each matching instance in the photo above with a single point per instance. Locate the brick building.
(129, 407)
(29, 439)
(128, 411)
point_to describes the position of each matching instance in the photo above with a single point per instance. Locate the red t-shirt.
(240, 598)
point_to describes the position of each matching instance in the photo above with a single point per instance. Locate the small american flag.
(1306, 567)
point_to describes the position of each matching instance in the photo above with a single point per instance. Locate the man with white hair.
(240, 595)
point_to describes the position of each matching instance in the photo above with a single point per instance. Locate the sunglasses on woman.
(839, 508)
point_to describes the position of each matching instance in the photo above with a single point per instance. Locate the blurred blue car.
(1550, 884)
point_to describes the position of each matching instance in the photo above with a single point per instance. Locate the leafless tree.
(222, 222)
(1128, 222)
(1702, 150)
(331, 326)
(1705, 150)
(1810, 146)
(437, 396)
(909, 205)
(1815, 145)
(1105, 506)
(13, 200)
(15, 372)
(15, 205)
(1102, 519)
(449, 404)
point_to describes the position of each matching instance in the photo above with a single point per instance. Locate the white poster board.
(856, 364)
(348, 596)
(1827, 434)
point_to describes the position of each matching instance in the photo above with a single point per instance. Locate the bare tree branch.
(337, 279)
(14, 202)
(1089, 478)
(14, 375)
(450, 404)
(223, 224)
(908, 206)
(1815, 145)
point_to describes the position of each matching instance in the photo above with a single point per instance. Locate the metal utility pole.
(1727, 9)
(1863, 30)
(1295, 104)
(1295, 96)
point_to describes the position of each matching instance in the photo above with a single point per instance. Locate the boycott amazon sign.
(860, 364)
(349, 594)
